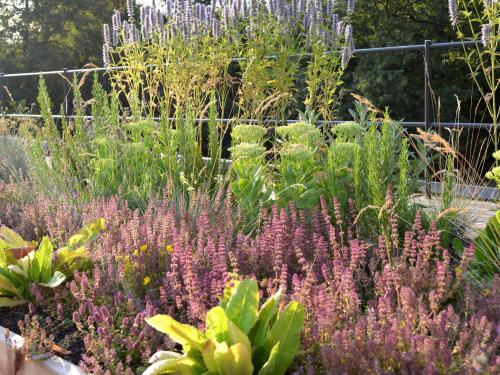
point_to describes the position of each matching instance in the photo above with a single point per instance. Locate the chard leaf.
(243, 305)
(183, 334)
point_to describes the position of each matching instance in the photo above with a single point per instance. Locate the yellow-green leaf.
(243, 305)
(183, 334)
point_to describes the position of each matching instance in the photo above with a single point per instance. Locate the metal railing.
(426, 48)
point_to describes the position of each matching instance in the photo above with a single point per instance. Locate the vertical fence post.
(428, 115)
(65, 91)
(2, 93)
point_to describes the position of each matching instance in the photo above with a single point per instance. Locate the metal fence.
(425, 48)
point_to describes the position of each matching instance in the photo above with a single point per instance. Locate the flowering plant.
(481, 21)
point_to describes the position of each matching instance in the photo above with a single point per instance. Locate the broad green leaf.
(223, 358)
(209, 357)
(266, 313)
(6, 285)
(57, 279)
(14, 268)
(233, 360)
(189, 366)
(243, 305)
(183, 334)
(16, 280)
(41, 269)
(10, 239)
(217, 325)
(285, 331)
(162, 355)
(10, 302)
(165, 366)
(273, 365)
(236, 336)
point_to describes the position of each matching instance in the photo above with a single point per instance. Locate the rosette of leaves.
(45, 266)
(239, 338)
(296, 180)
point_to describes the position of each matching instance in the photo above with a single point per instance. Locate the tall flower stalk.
(481, 21)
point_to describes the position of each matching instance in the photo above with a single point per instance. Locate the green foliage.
(238, 339)
(487, 245)
(494, 174)
(111, 155)
(482, 60)
(46, 35)
(296, 178)
(486, 261)
(45, 266)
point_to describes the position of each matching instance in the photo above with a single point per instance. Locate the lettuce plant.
(238, 339)
(44, 266)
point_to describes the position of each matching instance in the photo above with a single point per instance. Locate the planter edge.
(55, 364)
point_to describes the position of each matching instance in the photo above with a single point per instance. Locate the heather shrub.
(394, 301)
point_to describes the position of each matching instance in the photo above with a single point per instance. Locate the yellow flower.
(136, 252)
(169, 249)
(144, 247)
(147, 280)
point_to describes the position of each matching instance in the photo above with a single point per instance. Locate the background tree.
(396, 80)
(38, 35)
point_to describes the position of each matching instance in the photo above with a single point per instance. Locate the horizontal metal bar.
(405, 124)
(466, 191)
(361, 51)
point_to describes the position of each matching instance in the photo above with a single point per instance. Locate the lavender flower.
(345, 56)
(349, 41)
(106, 34)
(116, 20)
(130, 8)
(453, 10)
(106, 55)
(486, 35)
(350, 6)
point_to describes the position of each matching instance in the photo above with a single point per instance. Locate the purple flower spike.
(486, 35)
(130, 8)
(106, 34)
(453, 10)
(105, 55)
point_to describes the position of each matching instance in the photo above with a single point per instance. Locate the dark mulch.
(65, 333)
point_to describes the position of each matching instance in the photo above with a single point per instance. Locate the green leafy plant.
(486, 262)
(249, 170)
(238, 339)
(494, 174)
(45, 266)
(476, 20)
